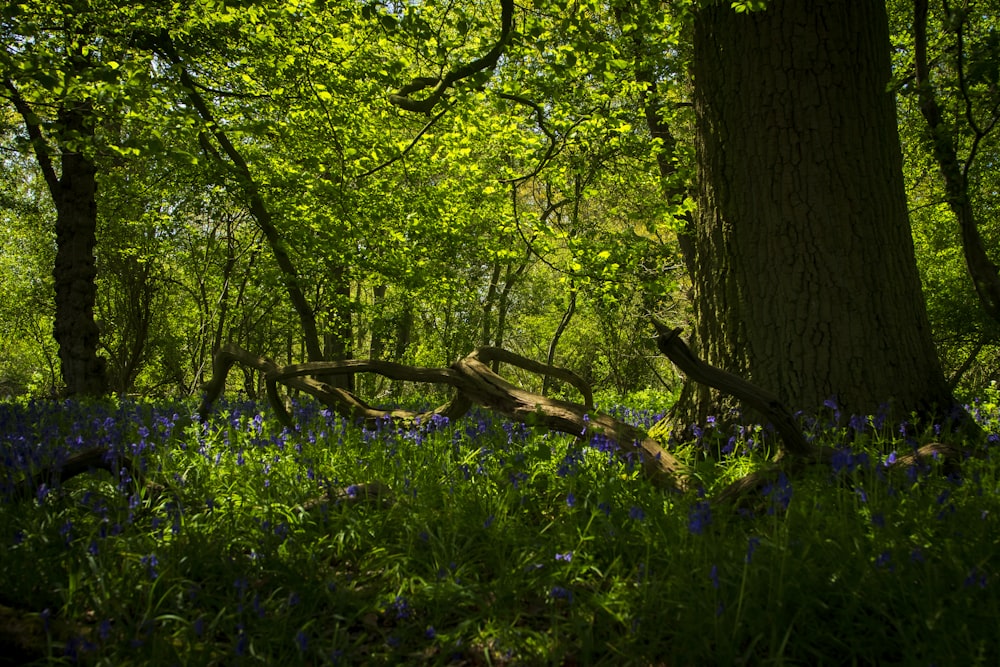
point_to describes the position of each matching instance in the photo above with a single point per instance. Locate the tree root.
(745, 491)
(87, 460)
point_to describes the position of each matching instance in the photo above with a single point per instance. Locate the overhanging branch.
(439, 87)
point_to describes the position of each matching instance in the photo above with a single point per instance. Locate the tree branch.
(675, 349)
(402, 99)
(474, 382)
(38, 143)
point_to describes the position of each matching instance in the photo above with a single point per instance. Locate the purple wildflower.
(699, 517)
(561, 593)
(752, 545)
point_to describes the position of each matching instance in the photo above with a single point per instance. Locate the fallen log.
(670, 344)
(474, 383)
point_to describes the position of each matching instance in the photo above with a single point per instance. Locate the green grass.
(498, 546)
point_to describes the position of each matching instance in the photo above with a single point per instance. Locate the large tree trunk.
(804, 276)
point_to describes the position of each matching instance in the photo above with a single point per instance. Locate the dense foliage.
(407, 181)
(255, 177)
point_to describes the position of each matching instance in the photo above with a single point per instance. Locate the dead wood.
(368, 493)
(25, 636)
(744, 491)
(87, 460)
(670, 344)
(474, 382)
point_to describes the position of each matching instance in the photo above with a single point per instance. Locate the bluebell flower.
(636, 513)
(858, 423)
(713, 574)
(241, 641)
(561, 593)
(752, 545)
(566, 557)
(699, 517)
(302, 641)
(976, 577)
(401, 607)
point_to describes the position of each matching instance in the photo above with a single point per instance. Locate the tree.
(948, 71)
(804, 274)
(63, 147)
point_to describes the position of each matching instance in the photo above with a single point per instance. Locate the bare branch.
(474, 382)
(671, 345)
(488, 61)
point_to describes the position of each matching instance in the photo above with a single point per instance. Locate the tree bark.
(983, 271)
(805, 280)
(75, 271)
(74, 194)
(550, 357)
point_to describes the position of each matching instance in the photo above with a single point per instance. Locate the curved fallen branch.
(796, 446)
(87, 460)
(670, 344)
(474, 382)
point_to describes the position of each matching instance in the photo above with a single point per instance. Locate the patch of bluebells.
(779, 492)
(752, 543)
(561, 593)
(400, 608)
(699, 517)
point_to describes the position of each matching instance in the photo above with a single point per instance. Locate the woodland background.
(257, 166)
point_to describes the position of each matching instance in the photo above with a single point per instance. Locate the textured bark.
(550, 356)
(75, 270)
(74, 194)
(804, 276)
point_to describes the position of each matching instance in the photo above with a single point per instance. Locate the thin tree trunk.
(258, 207)
(982, 270)
(338, 338)
(550, 357)
(503, 305)
(491, 295)
(377, 337)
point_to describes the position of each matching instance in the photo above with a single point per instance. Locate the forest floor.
(482, 542)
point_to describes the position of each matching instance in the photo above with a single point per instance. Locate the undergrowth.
(489, 544)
